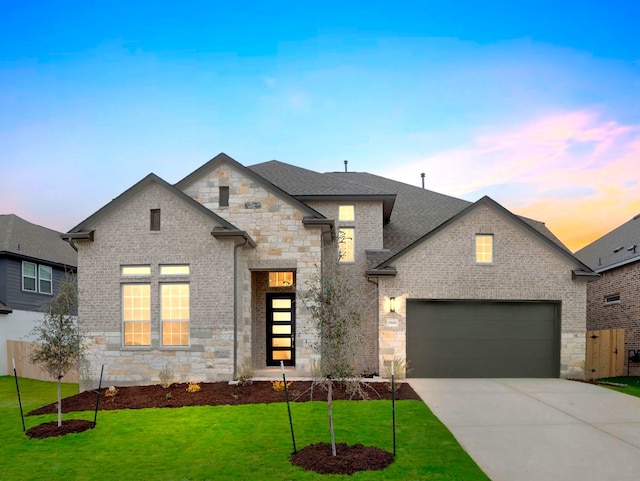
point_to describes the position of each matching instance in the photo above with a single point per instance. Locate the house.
(204, 275)
(33, 262)
(612, 300)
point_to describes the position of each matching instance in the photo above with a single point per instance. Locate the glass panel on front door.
(280, 329)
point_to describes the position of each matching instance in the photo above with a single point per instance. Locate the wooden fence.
(19, 350)
(605, 354)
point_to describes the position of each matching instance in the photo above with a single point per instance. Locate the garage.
(471, 339)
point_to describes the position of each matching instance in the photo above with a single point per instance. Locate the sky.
(535, 104)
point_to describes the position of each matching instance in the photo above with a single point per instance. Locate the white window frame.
(42, 269)
(38, 278)
(612, 299)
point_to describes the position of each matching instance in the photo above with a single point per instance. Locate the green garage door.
(469, 339)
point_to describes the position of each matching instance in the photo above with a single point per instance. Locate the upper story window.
(154, 220)
(346, 244)
(346, 212)
(223, 196)
(37, 278)
(281, 279)
(136, 270)
(175, 270)
(484, 248)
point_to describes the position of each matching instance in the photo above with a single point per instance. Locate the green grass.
(247, 442)
(632, 384)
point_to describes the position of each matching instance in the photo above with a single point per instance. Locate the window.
(37, 278)
(346, 212)
(155, 220)
(281, 279)
(224, 196)
(136, 270)
(45, 276)
(136, 314)
(174, 270)
(484, 248)
(346, 246)
(175, 314)
(29, 276)
(614, 299)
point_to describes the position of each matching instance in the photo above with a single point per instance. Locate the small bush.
(166, 377)
(245, 373)
(111, 391)
(279, 385)
(193, 387)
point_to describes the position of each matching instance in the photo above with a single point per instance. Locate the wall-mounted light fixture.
(392, 304)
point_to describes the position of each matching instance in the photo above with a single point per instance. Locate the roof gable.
(223, 158)
(89, 223)
(619, 247)
(487, 201)
(22, 238)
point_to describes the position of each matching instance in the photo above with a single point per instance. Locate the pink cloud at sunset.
(574, 171)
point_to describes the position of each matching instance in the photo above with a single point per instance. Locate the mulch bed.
(316, 457)
(348, 459)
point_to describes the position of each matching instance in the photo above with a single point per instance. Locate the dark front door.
(281, 309)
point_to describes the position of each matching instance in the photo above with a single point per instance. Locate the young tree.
(337, 306)
(59, 344)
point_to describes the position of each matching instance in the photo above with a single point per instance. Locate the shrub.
(193, 387)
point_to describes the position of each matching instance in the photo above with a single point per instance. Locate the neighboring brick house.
(613, 300)
(204, 275)
(33, 262)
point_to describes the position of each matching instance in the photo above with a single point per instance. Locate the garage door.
(483, 339)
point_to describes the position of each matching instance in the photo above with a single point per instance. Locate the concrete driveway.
(540, 429)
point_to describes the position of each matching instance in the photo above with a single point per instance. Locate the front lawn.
(246, 442)
(632, 384)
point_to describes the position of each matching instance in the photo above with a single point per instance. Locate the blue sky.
(534, 104)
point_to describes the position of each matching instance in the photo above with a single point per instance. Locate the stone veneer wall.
(283, 242)
(124, 238)
(524, 268)
(625, 281)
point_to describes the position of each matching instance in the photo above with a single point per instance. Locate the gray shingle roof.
(416, 211)
(301, 182)
(618, 247)
(22, 238)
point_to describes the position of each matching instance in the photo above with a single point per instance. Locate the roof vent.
(618, 249)
(346, 162)
(422, 175)
(633, 248)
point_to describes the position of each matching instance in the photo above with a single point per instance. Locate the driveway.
(540, 429)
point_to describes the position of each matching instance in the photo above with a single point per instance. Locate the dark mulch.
(348, 459)
(314, 457)
(214, 394)
(51, 430)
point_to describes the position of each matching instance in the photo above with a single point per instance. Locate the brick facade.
(124, 238)
(524, 268)
(625, 314)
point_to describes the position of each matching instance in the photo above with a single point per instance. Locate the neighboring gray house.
(204, 275)
(33, 261)
(613, 300)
